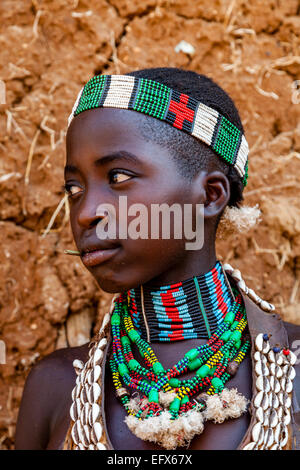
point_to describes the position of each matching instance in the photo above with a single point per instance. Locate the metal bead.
(122, 392)
(232, 368)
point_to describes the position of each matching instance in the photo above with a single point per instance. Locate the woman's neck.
(192, 308)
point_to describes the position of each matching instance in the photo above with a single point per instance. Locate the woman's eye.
(71, 189)
(118, 177)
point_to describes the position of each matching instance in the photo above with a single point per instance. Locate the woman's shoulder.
(46, 392)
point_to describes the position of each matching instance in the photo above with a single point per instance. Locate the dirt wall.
(48, 49)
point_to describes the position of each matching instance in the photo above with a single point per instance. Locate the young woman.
(188, 355)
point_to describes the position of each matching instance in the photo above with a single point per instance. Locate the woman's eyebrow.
(120, 155)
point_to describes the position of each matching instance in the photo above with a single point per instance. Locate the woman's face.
(107, 158)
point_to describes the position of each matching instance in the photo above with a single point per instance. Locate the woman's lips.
(94, 258)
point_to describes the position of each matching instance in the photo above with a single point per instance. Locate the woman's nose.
(90, 213)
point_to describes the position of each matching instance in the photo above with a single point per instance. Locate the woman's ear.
(214, 192)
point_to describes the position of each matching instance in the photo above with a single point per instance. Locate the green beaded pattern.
(153, 98)
(92, 93)
(227, 140)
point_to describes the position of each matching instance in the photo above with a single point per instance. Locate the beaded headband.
(177, 109)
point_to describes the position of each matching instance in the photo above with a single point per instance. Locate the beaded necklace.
(183, 416)
(190, 309)
(164, 399)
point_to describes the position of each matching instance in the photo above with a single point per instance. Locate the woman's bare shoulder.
(46, 393)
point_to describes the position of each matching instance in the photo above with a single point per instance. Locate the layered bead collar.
(193, 308)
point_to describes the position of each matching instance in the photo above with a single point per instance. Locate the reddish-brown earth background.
(48, 49)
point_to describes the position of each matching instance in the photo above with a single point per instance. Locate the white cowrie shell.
(261, 400)
(94, 393)
(259, 342)
(264, 305)
(92, 350)
(258, 433)
(275, 370)
(250, 446)
(261, 369)
(83, 394)
(74, 433)
(286, 385)
(73, 412)
(81, 447)
(84, 415)
(289, 371)
(96, 433)
(100, 446)
(290, 358)
(284, 416)
(276, 358)
(281, 432)
(275, 447)
(77, 364)
(98, 356)
(262, 384)
(266, 418)
(77, 407)
(260, 414)
(95, 374)
(91, 447)
(102, 343)
(273, 400)
(259, 357)
(269, 438)
(105, 321)
(274, 384)
(227, 267)
(253, 296)
(242, 285)
(273, 418)
(236, 274)
(94, 413)
(284, 399)
(73, 393)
